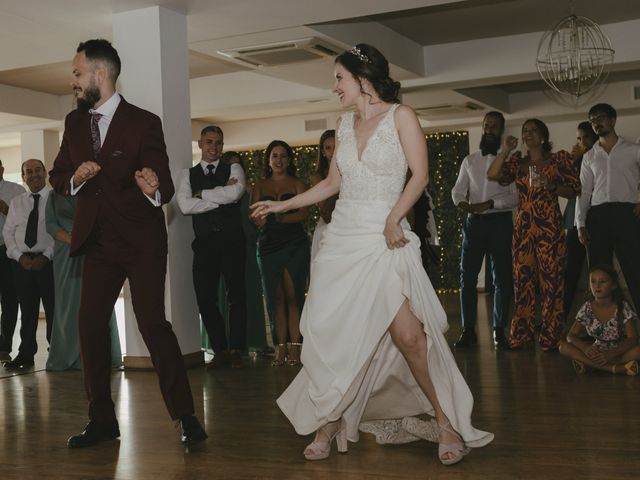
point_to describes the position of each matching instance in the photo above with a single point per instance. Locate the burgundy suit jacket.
(134, 141)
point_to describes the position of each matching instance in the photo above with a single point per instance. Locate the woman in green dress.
(283, 252)
(64, 349)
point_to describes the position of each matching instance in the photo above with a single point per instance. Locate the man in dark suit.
(113, 157)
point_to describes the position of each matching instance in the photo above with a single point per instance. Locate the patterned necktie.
(31, 234)
(210, 169)
(95, 133)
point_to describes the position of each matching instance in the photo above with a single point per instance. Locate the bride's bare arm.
(321, 191)
(414, 146)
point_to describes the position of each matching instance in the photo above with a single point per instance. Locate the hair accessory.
(356, 51)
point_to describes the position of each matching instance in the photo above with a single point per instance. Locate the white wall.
(259, 133)
(11, 160)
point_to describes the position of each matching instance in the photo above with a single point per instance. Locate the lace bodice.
(380, 173)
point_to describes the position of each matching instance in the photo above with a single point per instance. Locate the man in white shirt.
(30, 248)
(487, 231)
(8, 297)
(210, 192)
(576, 252)
(607, 212)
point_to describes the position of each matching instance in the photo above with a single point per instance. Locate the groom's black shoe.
(467, 338)
(192, 431)
(94, 433)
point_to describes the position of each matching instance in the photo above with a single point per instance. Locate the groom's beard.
(489, 144)
(89, 99)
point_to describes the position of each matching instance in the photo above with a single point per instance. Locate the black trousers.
(614, 228)
(31, 287)
(576, 254)
(8, 302)
(221, 253)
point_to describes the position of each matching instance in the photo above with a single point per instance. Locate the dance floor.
(548, 422)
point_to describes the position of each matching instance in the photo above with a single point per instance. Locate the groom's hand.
(147, 181)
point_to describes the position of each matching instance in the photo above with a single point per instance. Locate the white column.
(40, 144)
(152, 44)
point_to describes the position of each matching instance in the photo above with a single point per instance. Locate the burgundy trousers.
(108, 262)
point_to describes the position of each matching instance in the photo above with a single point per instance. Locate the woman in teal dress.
(64, 348)
(283, 252)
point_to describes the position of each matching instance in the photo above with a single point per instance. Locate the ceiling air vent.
(440, 111)
(282, 53)
(316, 124)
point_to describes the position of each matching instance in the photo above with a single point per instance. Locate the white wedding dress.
(351, 368)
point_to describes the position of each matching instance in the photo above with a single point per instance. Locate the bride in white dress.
(373, 327)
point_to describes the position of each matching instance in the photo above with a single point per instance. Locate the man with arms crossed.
(210, 192)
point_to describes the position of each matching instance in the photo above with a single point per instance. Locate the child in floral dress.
(609, 319)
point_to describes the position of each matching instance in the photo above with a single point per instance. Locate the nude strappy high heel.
(295, 349)
(318, 450)
(456, 450)
(280, 361)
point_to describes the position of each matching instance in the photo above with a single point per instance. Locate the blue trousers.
(490, 235)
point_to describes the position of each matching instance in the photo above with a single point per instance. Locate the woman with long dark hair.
(373, 325)
(283, 252)
(538, 248)
(326, 148)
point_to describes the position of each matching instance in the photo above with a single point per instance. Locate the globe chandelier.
(573, 59)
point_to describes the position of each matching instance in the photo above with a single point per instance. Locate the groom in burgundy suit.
(113, 158)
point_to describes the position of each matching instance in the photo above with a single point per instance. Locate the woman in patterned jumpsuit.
(539, 248)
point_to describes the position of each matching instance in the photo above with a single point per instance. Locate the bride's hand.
(394, 235)
(260, 210)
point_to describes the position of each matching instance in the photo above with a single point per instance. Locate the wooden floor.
(548, 422)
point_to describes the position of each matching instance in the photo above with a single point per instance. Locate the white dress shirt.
(8, 190)
(108, 110)
(473, 186)
(211, 198)
(15, 226)
(608, 177)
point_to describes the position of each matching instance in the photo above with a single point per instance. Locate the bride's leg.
(408, 335)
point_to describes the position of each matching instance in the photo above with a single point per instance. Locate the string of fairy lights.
(446, 151)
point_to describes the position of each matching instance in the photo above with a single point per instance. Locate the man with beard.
(607, 212)
(486, 231)
(113, 157)
(576, 252)
(30, 248)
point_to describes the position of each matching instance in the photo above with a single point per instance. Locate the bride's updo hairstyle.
(365, 61)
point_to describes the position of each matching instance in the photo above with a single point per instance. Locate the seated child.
(609, 319)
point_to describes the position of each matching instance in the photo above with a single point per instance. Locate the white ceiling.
(446, 52)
